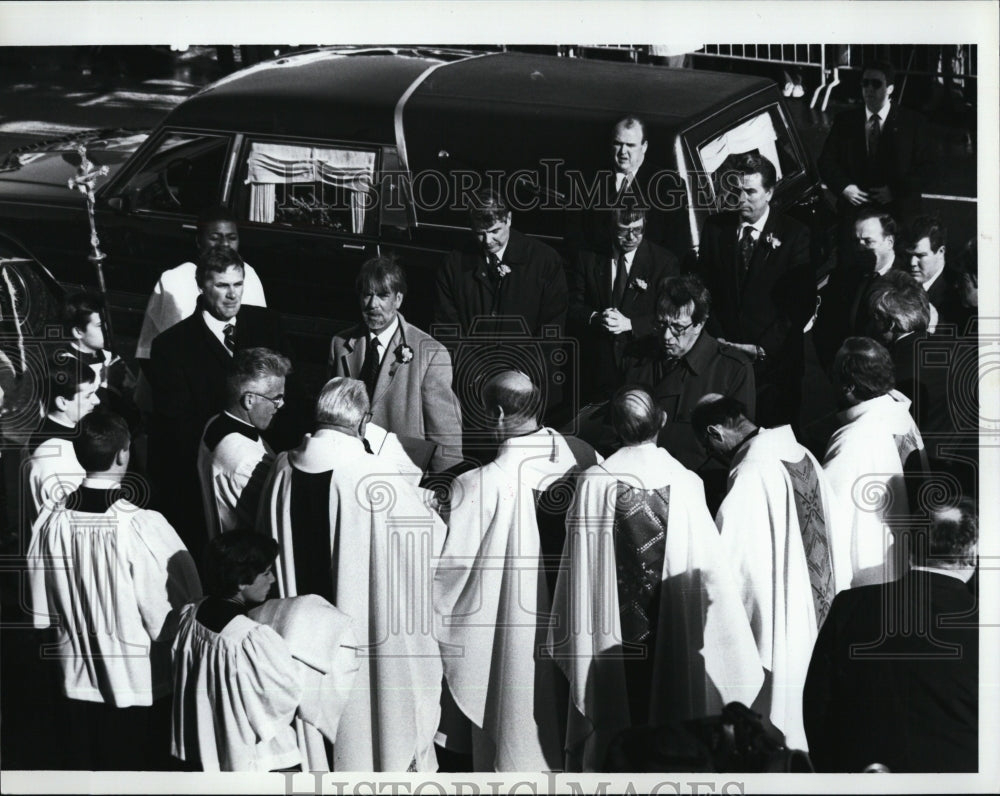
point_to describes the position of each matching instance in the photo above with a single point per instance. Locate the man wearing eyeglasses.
(875, 156)
(613, 298)
(233, 458)
(684, 362)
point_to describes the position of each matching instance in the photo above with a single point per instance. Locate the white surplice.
(112, 585)
(864, 463)
(491, 602)
(387, 537)
(759, 525)
(705, 653)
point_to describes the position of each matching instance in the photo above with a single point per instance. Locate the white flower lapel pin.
(503, 269)
(640, 284)
(772, 241)
(404, 354)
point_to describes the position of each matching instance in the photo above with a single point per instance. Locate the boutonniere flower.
(640, 284)
(503, 269)
(772, 241)
(404, 353)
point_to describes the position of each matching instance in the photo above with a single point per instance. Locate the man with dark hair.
(925, 251)
(899, 316)
(175, 295)
(492, 590)
(233, 458)
(894, 676)
(51, 468)
(756, 263)
(109, 577)
(368, 543)
(493, 297)
(868, 461)
(188, 376)
(875, 156)
(613, 297)
(407, 372)
(844, 308)
(648, 622)
(776, 525)
(683, 362)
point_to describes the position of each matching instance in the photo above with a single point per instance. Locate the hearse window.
(183, 175)
(764, 134)
(309, 186)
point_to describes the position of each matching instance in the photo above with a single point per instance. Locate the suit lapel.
(389, 365)
(603, 273)
(354, 353)
(729, 255)
(762, 249)
(639, 271)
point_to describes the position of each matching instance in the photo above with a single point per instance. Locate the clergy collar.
(90, 357)
(101, 482)
(963, 574)
(215, 325)
(385, 336)
(759, 223)
(225, 424)
(881, 114)
(744, 444)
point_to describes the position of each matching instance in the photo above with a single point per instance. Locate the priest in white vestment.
(874, 462)
(492, 589)
(233, 457)
(775, 523)
(355, 531)
(650, 627)
(110, 578)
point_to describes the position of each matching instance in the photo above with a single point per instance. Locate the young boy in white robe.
(236, 687)
(109, 578)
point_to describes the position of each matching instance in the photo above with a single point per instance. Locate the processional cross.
(85, 181)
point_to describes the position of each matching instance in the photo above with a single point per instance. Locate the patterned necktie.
(229, 337)
(621, 279)
(369, 369)
(746, 250)
(873, 135)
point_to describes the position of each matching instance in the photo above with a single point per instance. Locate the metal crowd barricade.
(804, 56)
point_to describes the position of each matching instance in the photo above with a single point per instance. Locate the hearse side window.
(310, 186)
(183, 175)
(764, 134)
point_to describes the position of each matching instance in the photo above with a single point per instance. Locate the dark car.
(328, 157)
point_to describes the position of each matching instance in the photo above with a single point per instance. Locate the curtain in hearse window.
(764, 134)
(309, 186)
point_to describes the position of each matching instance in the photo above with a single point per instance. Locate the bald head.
(721, 423)
(514, 402)
(635, 416)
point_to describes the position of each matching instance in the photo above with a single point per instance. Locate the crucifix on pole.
(85, 181)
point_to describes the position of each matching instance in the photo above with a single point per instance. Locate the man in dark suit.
(925, 251)
(406, 371)
(188, 366)
(756, 264)
(613, 299)
(875, 156)
(844, 308)
(894, 676)
(496, 298)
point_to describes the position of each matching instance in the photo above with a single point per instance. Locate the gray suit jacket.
(412, 399)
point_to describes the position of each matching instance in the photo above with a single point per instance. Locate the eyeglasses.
(278, 400)
(630, 232)
(676, 329)
(872, 83)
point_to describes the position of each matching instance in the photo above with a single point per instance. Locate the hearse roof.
(352, 95)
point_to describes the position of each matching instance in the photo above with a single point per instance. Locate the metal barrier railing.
(953, 63)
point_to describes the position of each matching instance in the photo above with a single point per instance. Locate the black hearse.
(331, 156)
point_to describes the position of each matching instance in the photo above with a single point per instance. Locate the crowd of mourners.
(490, 553)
